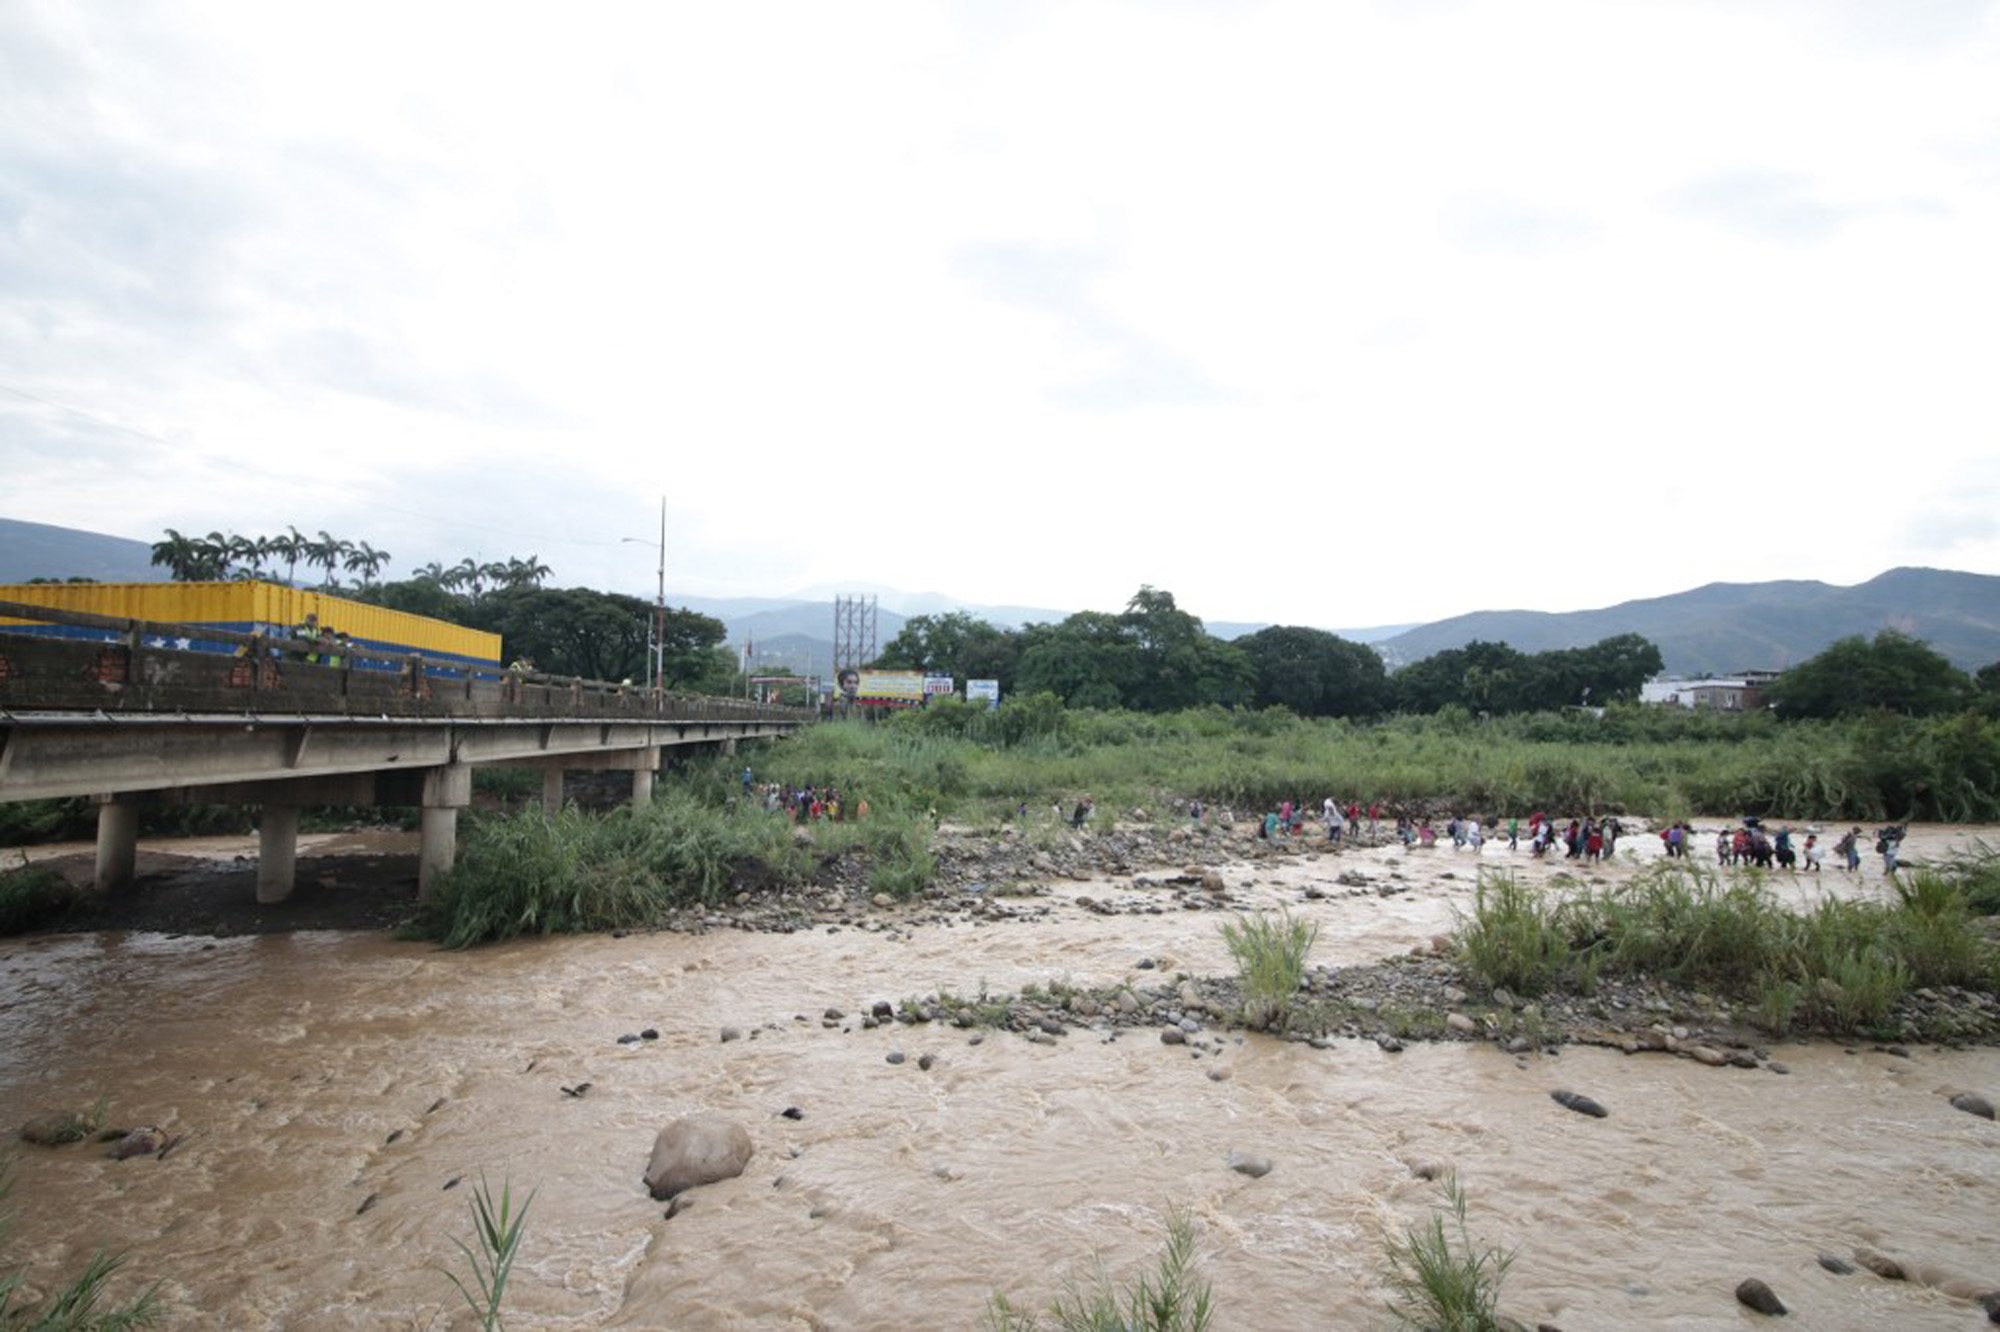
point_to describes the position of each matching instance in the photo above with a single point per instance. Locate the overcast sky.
(1333, 313)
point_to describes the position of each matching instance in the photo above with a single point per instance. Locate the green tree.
(1173, 667)
(1895, 673)
(600, 635)
(1086, 661)
(957, 644)
(365, 560)
(176, 554)
(1479, 677)
(1315, 673)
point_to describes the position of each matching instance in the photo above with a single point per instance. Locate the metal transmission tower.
(853, 633)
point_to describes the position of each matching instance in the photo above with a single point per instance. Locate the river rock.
(1459, 1022)
(1881, 1264)
(1256, 1167)
(50, 1130)
(1211, 882)
(1973, 1104)
(1583, 1105)
(1835, 1264)
(141, 1141)
(1173, 1036)
(1754, 1294)
(695, 1150)
(882, 901)
(1706, 1054)
(731, 1034)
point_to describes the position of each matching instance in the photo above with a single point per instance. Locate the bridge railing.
(142, 666)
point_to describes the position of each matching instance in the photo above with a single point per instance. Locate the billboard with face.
(889, 689)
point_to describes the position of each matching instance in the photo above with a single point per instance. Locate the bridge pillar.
(642, 780)
(447, 790)
(277, 852)
(117, 844)
(552, 789)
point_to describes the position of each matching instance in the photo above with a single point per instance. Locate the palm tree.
(293, 545)
(246, 556)
(526, 573)
(472, 576)
(176, 554)
(328, 552)
(211, 558)
(367, 561)
(434, 571)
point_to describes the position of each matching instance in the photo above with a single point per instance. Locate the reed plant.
(1270, 954)
(1173, 1297)
(497, 1229)
(1443, 1281)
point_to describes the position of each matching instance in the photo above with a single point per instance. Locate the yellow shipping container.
(258, 607)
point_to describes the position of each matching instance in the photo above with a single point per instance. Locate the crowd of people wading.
(1579, 838)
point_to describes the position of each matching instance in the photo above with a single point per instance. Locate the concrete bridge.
(140, 718)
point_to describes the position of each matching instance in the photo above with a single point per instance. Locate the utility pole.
(660, 609)
(656, 651)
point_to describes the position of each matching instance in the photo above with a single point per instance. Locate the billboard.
(883, 689)
(986, 689)
(935, 685)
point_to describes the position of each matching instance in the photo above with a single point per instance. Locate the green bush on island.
(1839, 966)
(1270, 954)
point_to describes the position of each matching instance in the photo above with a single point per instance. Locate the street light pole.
(660, 609)
(657, 656)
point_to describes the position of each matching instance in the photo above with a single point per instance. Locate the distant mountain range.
(1714, 630)
(37, 550)
(1728, 627)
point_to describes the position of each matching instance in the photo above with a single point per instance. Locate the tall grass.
(1173, 1297)
(1840, 966)
(902, 860)
(1443, 1282)
(1632, 758)
(1516, 941)
(536, 872)
(1270, 954)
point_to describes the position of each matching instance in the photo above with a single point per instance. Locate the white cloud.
(1324, 314)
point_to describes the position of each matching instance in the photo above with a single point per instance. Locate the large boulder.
(698, 1149)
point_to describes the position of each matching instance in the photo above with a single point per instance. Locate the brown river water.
(903, 1197)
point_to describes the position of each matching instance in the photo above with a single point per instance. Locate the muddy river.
(314, 1072)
